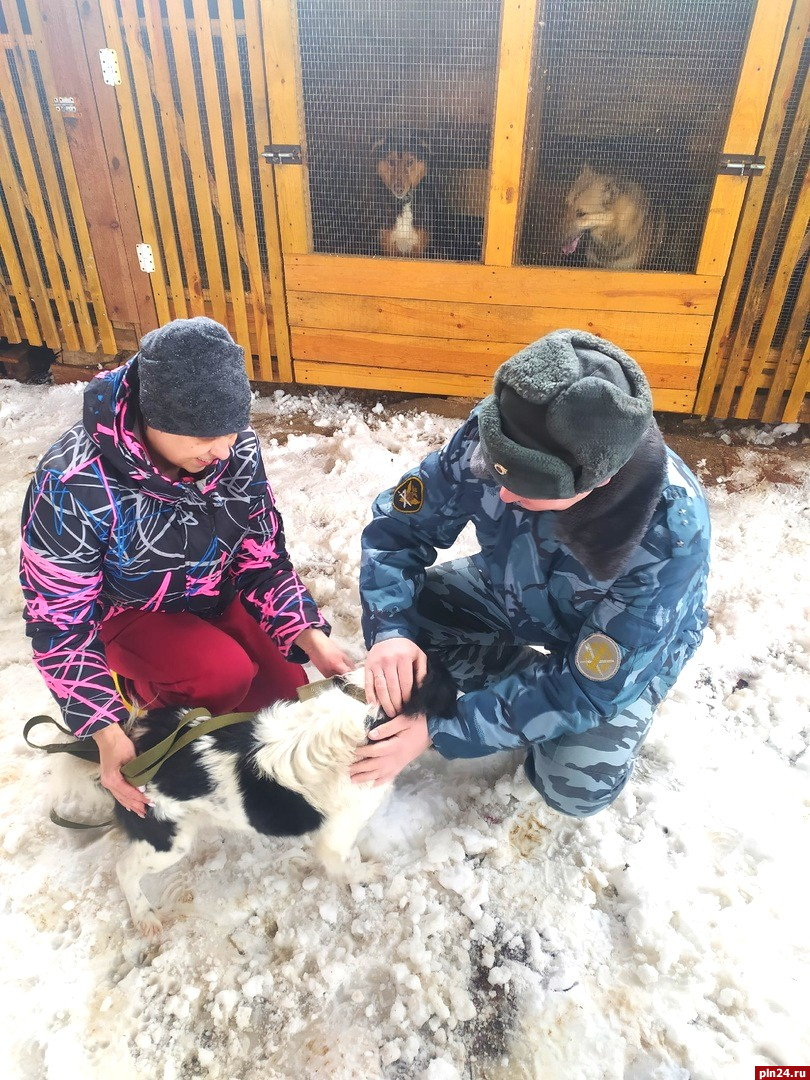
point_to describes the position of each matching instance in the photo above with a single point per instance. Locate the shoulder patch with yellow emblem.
(409, 495)
(598, 657)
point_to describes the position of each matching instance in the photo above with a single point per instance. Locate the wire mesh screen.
(398, 104)
(630, 105)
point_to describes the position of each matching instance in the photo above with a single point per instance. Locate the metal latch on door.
(282, 155)
(741, 165)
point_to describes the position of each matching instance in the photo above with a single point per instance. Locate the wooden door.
(442, 323)
(192, 105)
(64, 281)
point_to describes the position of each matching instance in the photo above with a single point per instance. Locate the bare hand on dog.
(393, 668)
(325, 654)
(115, 748)
(395, 744)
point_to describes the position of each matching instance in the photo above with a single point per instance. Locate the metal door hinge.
(110, 71)
(741, 165)
(146, 259)
(282, 155)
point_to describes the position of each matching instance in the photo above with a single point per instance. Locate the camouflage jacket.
(610, 638)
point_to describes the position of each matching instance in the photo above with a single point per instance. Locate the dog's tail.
(76, 793)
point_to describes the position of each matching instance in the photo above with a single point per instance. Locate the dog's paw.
(357, 873)
(148, 924)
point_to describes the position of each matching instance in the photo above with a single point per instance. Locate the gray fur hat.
(193, 379)
(566, 413)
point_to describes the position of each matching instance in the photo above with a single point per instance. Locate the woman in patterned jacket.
(586, 599)
(153, 553)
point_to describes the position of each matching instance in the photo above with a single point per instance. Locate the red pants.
(227, 664)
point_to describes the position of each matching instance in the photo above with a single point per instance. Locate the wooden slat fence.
(758, 361)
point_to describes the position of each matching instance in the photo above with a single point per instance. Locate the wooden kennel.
(164, 158)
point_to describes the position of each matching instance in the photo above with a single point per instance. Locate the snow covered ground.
(665, 939)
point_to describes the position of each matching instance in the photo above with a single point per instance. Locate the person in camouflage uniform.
(586, 599)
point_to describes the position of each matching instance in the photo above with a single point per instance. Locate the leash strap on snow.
(83, 748)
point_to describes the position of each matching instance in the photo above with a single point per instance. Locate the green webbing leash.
(142, 768)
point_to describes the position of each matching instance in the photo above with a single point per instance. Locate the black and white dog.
(284, 773)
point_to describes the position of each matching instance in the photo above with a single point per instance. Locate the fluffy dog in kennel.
(610, 219)
(403, 207)
(283, 773)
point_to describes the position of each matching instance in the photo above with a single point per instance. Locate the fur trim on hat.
(566, 413)
(605, 529)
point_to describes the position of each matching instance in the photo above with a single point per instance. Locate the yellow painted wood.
(271, 198)
(129, 96)
(511, 286)
(84, 276)
(777, 290)
(195, 146)
(774, 121)
(721, 222)
(17, 288)
(489, 322)
(419, 354)
(8, 323)
(186, 288)
(35, 204)
(770, 23)
(759, 280)
(518, 18)
(786, 363)
(473, 386)
(285, 97)
(46, 329)
(800, 389)
(243, 153)
(227, 214)
(751, 100)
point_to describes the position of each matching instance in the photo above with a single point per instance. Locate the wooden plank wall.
(50, 289)
(758, 361)
(190, 88)
(430, 327)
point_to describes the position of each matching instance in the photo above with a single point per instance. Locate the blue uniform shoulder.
(686, 509)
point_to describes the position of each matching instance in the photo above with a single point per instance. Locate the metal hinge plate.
(146, 260)
(110, 71)
(282, 155)
(741, 165)
(67, 105)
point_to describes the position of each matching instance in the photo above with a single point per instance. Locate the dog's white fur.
(306, 747)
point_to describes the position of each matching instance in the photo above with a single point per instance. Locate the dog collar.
(313, 689)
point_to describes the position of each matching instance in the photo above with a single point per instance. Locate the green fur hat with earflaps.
(566, 413)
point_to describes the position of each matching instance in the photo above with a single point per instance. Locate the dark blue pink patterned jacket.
(103, 530)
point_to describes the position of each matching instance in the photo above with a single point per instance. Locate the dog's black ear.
(423, 144)
(437, 694)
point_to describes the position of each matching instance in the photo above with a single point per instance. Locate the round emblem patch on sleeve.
(598, 657)
(409, 495)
